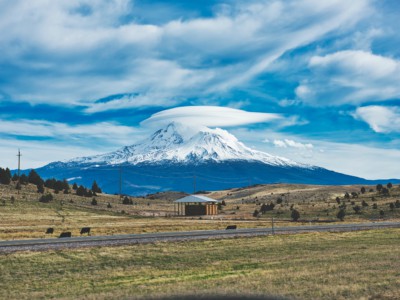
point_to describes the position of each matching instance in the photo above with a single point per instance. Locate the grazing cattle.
(85, 230)
(50, 230)
(66, 234)
(231, 227)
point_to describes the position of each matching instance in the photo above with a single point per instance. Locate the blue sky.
(79, 77)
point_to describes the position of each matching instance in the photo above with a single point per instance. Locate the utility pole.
(19, 162)
(19, 169)
(120, 182)
(273, 231)
(194, 184)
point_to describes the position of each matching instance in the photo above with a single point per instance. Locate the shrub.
(46, 198)
(357, 209)
(94, 201)
(126, 201)
(295, 215)
(375, 206)
(341, 214)
(255, 213)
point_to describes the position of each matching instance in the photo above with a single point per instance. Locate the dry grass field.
(26, 217)
(354, 265)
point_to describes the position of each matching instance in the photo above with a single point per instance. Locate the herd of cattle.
(66, 234)
(86, 230)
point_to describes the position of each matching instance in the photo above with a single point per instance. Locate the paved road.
(92, 241)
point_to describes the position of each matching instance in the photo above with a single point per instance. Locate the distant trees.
(34, 178)
(267, 207)
(379, 187)
(362, 190)
(389, 185)
(5, 176)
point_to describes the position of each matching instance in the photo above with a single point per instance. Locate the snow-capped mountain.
(179, 144)
(172, 157)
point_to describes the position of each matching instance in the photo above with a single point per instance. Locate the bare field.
(354, 265)
(26, 217)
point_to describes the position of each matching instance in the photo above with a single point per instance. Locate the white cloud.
(366, 161)
(80, 51)
(209, 116)
(43, 129)
(383, 119)
(350, 77)
(286, 143)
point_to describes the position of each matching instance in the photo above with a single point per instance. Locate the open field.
(26, 217)
(355, 265)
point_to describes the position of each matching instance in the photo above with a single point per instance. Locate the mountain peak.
(178, 143)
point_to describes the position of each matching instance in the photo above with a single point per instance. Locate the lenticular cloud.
(209, 116)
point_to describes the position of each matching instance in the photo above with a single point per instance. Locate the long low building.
(196, 205)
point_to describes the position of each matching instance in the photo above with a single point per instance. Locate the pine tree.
(40, 188)
(5, 177)
(95, 187)
(34, 177)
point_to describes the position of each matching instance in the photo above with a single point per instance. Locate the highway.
(126, 239)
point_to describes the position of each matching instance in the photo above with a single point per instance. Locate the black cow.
(85, 230)
(50, 230)
(231, 227)
(66, 234)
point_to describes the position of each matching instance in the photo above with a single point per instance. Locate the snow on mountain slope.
(179, 143)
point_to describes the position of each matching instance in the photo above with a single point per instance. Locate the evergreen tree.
(65, 185)
(23, 179)
(15, 177)
(34, 178)
(81, 191)
(95, 187)
(75, 186)
(4, 176)
(40, 188)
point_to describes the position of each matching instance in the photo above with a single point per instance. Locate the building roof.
(196, 199)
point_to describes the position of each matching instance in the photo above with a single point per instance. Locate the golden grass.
(354, 265)
(26, 217)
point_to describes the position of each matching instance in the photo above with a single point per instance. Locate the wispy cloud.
(350, 77)
(44, 129)
(286, 143)
(382, 119)
(80, 51)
